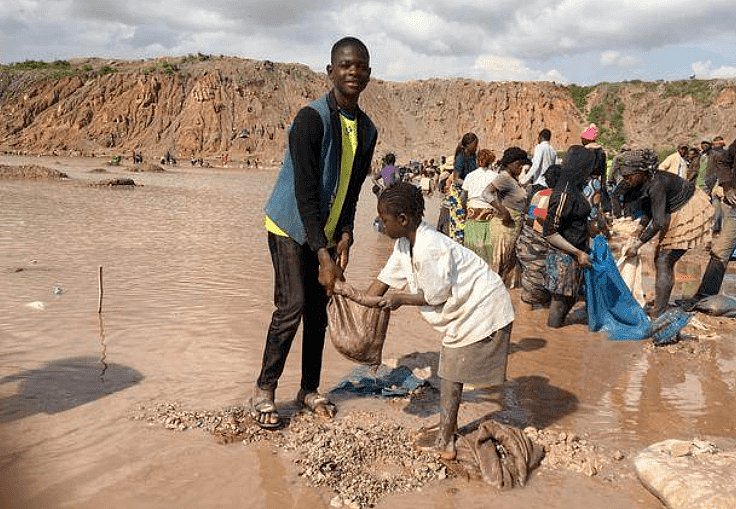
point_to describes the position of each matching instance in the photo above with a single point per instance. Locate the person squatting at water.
(459, 295)
(673, 208)
(566, 232)
(309, 219)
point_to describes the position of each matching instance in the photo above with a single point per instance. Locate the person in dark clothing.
(724, 169)
(588, 140)
(673, 209)
(566, 231)
(711, 185)
(465, 157)
(309, 219)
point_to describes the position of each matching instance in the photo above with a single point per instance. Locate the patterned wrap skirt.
(531, 253)
(691, 226)
(564, 276)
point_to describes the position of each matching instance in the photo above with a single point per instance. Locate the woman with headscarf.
(465, 162)
(671, 207)
(566, 231)
(508, 198)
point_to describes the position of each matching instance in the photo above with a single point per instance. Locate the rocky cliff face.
(202, 106)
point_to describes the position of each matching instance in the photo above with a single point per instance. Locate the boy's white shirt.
(467, 300)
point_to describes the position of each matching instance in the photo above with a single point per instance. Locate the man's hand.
(632, 248)
(329, 271)
(343, 250)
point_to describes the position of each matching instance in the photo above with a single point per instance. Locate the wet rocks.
(117, 182)
(360, 456)
(563, 450)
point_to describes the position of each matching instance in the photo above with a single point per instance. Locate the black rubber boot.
(712, 279)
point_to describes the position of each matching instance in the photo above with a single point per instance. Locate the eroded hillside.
(205, 106)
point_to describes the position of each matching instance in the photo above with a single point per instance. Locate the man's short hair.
(545, 134)
(348, 41)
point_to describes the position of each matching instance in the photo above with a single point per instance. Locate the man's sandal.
(263, 409)
(316, 403)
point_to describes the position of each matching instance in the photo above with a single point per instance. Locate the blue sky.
(568, 41)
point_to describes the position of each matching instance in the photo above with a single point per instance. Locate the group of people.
(532, 220)
(459, 280)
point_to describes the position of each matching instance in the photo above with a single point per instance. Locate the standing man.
(712, 186)
(309, 219)
(544, 157)
(676, 162)
(724, 171)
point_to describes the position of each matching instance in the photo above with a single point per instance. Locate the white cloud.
(494, 67)
(616, 59)
(705, 70)
(503, 39)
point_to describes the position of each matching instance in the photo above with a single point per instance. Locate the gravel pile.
(568, 451)
(360, 456)
(32, 171)
(363, 456)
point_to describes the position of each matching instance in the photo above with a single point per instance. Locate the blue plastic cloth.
(384, 381)
(666, 328)
(611, 306)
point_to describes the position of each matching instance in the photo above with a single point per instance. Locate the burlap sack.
(357, 331)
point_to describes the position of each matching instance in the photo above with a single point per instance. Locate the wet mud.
(188, 295)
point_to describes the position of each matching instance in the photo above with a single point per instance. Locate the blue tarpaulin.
(611, 306)
(384, 381)
(613, 309)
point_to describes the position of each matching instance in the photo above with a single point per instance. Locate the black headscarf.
(576, 169)
(643, 160)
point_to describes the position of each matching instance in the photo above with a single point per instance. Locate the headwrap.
(513, 154)
(642, 160)
(576, 168)
(591, 133)
(552, 175)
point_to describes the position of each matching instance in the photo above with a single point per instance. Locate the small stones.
(360, 456)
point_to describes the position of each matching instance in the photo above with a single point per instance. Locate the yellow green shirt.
(349, 128)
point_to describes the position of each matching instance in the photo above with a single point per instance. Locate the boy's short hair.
(545, 134)
(349, 41)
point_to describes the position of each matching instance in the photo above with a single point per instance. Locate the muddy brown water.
(187, 299)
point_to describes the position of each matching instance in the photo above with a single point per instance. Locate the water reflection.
(62, 385)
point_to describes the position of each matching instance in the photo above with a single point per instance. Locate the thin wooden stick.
(99, 302)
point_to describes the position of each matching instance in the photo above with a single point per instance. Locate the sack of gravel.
(356, 330)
